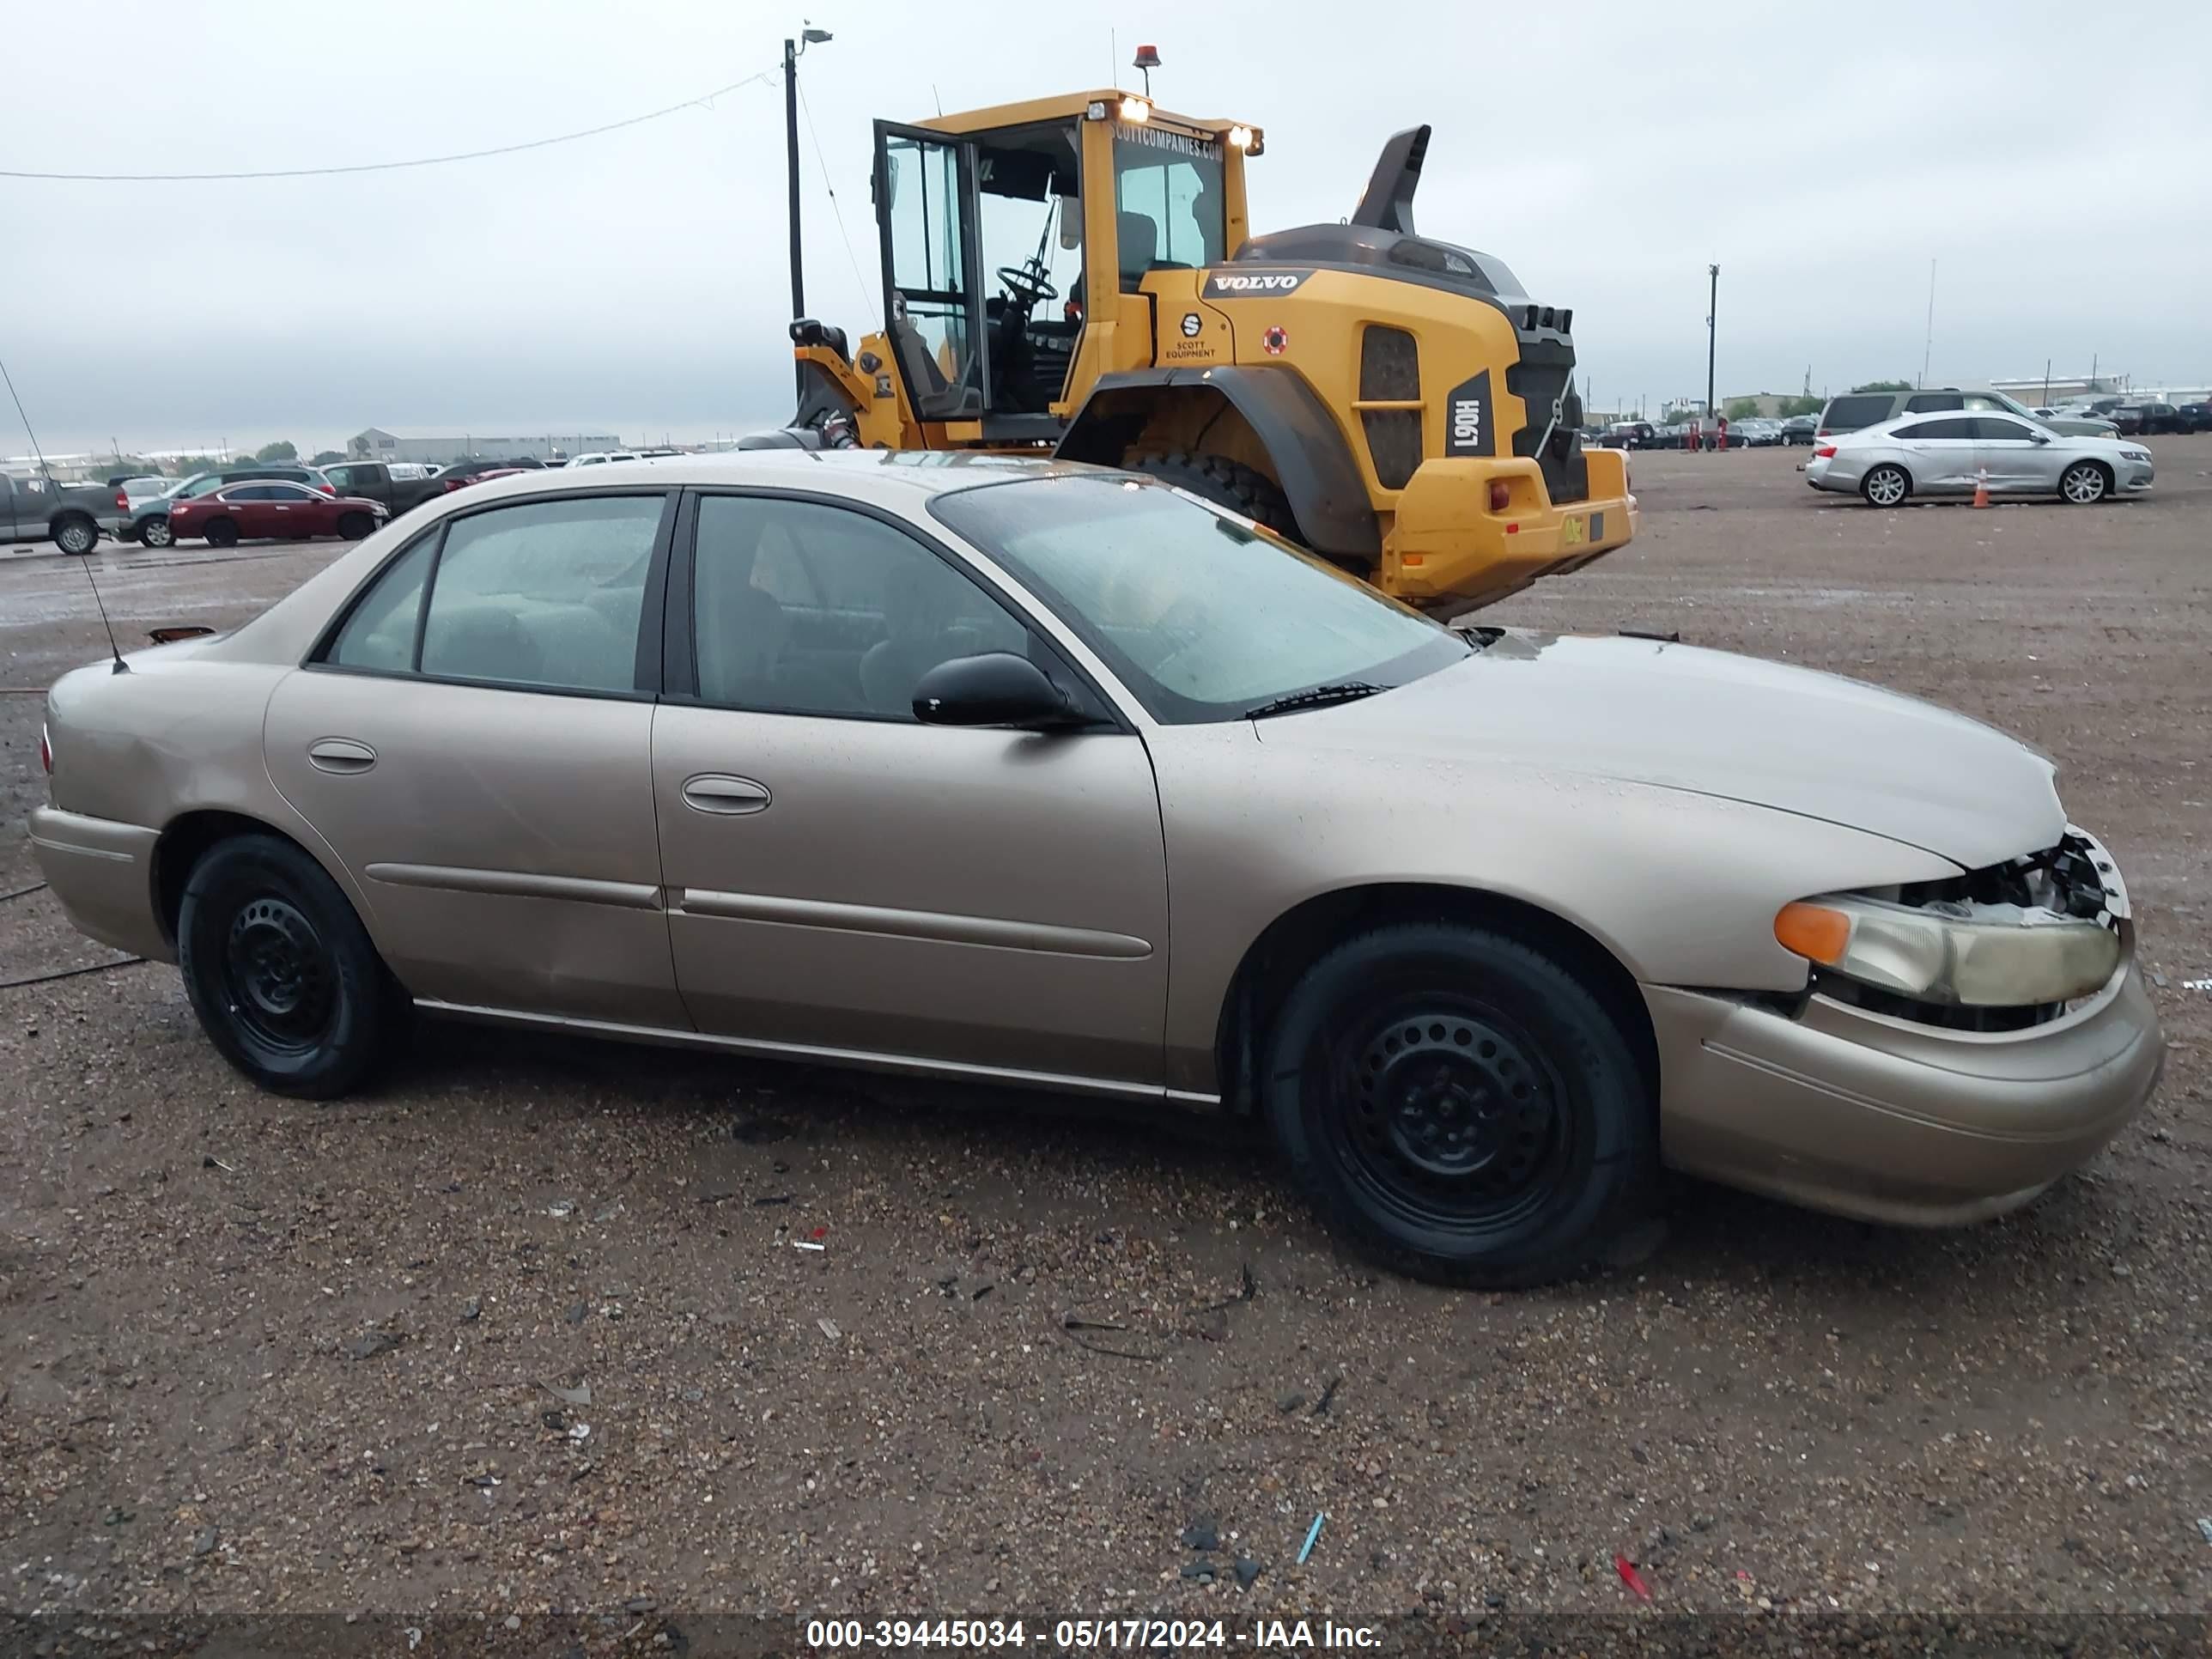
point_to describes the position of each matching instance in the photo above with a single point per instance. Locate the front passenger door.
(2015, 462)
(847, 882)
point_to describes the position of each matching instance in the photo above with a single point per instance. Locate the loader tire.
(1223, 482)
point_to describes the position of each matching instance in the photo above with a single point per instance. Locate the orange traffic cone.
(1982, 487)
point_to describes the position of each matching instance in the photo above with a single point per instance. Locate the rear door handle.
(340, 755)
(715, 792)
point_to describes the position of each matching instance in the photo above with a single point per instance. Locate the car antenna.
(121, 667)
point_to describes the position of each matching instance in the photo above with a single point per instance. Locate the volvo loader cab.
(1076, 276)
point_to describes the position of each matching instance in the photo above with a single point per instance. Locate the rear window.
(1849, 414)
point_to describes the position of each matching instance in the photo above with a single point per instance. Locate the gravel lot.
(257, 1353)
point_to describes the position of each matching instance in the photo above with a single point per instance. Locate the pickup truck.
(397, 485)
(71, 516)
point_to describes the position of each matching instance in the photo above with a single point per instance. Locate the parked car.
(1800, 428)
(1949, 454)
(73, 517)
(1824, 941)
(2197, 417)
(601, 457)
(148, 518)
(1629, 434)
(398, 485)
(1756, 433)
(1854, 409)
(262, 509)
(2142, 420)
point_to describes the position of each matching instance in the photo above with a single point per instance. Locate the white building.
(438, 449)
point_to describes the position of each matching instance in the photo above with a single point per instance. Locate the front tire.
(1225, 482)
(222, 533)
(1886, 485)
(76, 535)
(354, 525)
(2084, 484)
(280, 970)
(1460, 1105)
(154, 532)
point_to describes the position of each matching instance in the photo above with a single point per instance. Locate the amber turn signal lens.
(1814, 932)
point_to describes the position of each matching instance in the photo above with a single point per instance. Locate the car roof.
(882, 477)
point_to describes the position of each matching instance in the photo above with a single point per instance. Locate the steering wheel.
(1029, 282)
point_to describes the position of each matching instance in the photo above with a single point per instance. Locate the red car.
(273, 507)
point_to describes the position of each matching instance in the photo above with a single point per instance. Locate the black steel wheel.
(281, 972)
(222, 533)
(1462, 1104)
(354, 525)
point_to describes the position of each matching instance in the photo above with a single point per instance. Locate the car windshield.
(1204, 616)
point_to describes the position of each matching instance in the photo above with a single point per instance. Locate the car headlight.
(1993, 956)
(2136, 454)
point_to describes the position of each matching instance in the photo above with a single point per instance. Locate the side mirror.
(995, 689)
(2038, 437)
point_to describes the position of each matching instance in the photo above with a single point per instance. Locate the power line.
(387, 167)
(838, 212)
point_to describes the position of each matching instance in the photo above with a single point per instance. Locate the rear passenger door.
(1940, 452)
(473, 744)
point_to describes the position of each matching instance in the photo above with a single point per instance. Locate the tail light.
(1500, 496)
(46, 750)
(1824, 451)
(1821, 433)
(123, 500)
(328, 489)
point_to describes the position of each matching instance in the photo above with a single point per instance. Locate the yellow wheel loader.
(1076, 276)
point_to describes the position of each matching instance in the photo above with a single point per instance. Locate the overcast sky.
(2051, 158)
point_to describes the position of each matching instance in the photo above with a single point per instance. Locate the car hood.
(1713, 723)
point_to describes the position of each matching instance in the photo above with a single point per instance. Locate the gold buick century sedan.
(1050, 775)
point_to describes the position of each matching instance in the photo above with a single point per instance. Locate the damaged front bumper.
(1866, 1110)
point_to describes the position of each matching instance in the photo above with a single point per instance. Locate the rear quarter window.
(1849, 414)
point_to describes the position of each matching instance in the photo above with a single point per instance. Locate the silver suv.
(1854, 409)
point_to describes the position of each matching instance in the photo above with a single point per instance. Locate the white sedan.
(1947, 454)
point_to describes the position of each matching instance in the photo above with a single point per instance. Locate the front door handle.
(340, 755)
(715, 792)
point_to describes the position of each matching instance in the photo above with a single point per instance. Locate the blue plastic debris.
(1312, 1532)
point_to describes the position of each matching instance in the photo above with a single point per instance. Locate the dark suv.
(2142, 420)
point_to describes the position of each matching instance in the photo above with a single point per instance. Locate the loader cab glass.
(1030, 212)
(928, 233)
(1170, 213)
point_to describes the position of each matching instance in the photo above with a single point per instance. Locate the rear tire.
(223, 532)
(1886, 485)
(280, 970)
(154, 532)
(1225, 482)
(76, 535)
(2084, 484)
(1460, 1105)
(354, 525)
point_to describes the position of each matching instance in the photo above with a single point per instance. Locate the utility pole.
(1928, 347)
(792, 51)
(1712, 312)
(2046, 382)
